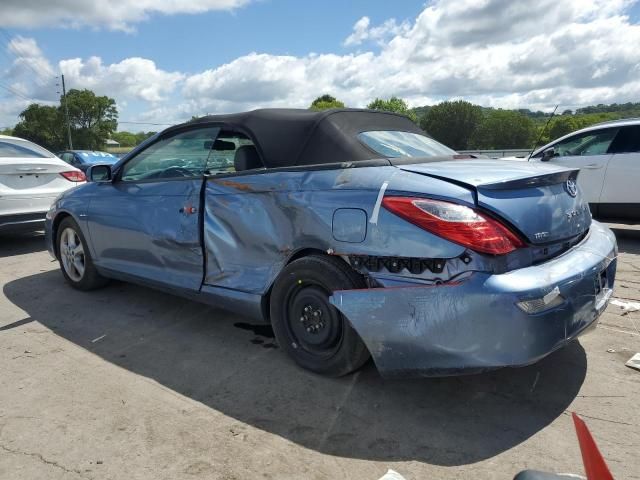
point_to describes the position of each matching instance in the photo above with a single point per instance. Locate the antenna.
(542, 133)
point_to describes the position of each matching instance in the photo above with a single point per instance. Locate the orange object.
(594, 465)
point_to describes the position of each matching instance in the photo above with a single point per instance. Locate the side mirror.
(99, 173)
(548, 154)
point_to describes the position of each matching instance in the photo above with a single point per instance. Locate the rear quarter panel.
(254, 224)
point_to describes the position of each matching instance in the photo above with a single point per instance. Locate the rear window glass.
(627, 140)
(396, 144)
(14, 148)
(97, 157)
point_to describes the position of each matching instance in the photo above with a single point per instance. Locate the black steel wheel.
(311, 330)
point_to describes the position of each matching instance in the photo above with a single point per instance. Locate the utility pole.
(66, 113)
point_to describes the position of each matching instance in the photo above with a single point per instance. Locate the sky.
(165, 60)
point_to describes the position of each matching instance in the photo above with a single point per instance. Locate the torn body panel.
(474, 323)
(254, 224)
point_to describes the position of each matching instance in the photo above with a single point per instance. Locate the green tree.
(43, 125)
(395, 105)
(566, 124)
(125, 139)
(504, 129)
(6, 131)
(325, 102)
(142, 136)
(93, 119)
(453, 123)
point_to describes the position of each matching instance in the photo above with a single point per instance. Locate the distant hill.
(611, 112)
(564, 122)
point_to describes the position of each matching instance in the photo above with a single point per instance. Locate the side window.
(232, 152)
(627, 140)
(183, 155)
(588, 143)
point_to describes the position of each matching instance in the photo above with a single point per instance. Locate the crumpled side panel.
(253, 224)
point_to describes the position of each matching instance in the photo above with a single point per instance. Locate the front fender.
(75, 204)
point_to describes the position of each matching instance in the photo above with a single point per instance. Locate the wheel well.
(54, 230)
(305, 252)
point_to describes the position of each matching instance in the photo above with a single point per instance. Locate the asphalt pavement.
(129, 383)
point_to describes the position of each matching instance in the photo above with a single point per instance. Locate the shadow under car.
(199, 352)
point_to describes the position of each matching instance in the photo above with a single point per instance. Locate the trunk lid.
(21, 166)
(536, 199)
(30, 176)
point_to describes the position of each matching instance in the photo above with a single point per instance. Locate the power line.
(40, 77)
(15, 92)
(147, 123)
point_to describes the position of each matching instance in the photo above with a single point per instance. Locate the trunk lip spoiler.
(542, 180)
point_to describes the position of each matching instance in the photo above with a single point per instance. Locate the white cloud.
(112, 14)
(363, 32)
(132, 78)
(30, 74)
(492, 52)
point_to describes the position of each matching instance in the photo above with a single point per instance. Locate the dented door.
(149, 230)
(146, 223)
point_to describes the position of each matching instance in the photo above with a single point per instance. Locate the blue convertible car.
(353, 233)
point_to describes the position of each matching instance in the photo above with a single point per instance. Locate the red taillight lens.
(74, 176)
(457, 223)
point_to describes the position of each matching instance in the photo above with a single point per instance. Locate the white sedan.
(30, 180)
(608, 156)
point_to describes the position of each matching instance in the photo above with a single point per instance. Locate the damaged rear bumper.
(476, 324)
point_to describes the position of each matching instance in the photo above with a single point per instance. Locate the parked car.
(353, 234)
(608, 155)
(83, 159)
(30, 180)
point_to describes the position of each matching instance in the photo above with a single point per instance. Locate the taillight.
(74, 176)
(457, 223)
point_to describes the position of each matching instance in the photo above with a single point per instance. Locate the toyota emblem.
(572, 187)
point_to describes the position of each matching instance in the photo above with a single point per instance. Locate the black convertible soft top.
(288, 137)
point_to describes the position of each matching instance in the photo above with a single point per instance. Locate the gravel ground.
(130, 383)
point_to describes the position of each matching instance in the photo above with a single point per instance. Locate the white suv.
(608, 156)
(30, 180)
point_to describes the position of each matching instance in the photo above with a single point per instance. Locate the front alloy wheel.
(75, 261)
(72, 254)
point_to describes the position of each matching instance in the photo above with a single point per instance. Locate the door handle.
(188, 210)
(592, 166)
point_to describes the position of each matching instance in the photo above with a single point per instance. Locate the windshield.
(97, 157)
(16, 148)
(403, 144)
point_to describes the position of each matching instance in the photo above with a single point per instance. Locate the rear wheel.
(311, 330)
(74, 257)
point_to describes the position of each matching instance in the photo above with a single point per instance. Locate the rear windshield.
(16, 148)
(97, 157)
(396, 144)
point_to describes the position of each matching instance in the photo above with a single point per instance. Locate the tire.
(74, 257)
(311, 330)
